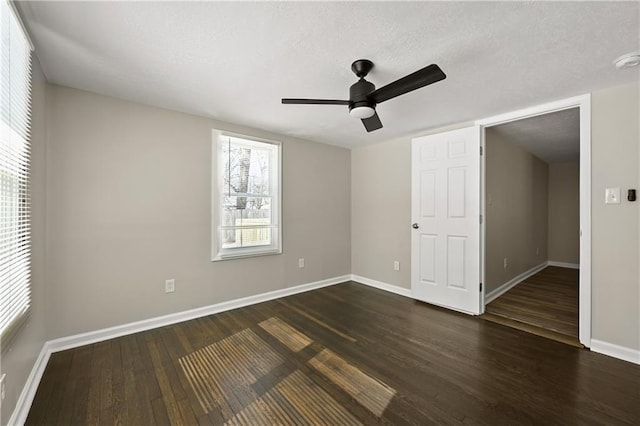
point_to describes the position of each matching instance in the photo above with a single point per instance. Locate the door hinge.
(480, 219)
(480, 286)
(480, 150)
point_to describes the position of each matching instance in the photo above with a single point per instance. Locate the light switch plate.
(612, 196)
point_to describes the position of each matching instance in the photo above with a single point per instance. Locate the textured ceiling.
(233, 61)
(554, 138)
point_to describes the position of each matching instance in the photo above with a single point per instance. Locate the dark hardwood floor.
(345, 354)
(545, 304)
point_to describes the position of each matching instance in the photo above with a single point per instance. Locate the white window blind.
(15, 122)
(246, 207)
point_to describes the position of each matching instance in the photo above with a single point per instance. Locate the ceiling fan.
(363, 96)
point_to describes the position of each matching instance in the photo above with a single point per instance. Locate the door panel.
(428, 258)
(445, 248)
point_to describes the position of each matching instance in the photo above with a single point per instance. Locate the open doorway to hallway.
(532, 229)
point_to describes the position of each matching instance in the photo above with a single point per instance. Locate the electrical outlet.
(612, 196)
(396, 265)
(506, 262)
(170, 286)
(301, 262)
(4, 376)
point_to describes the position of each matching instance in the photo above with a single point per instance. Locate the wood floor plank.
(286, 334)
(307, 315)
(548, 299)
(76, 386)
(146, 383)
(145, 368)
(160, 413)
(51, 399)
(371, 393)
(94, 397)
(433, 366)
(166, 388)
(132, 407)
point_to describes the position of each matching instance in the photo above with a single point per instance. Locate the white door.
(445, 210)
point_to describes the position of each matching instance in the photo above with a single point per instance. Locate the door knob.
(415, 226)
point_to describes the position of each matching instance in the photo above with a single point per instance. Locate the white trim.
(400, 291)
(406, 292)
(494, 294)
(584, 320)
(564, 264)
(584, 103)
(19, 415)
(21, 410)
(218, 253)
(616, 351)
(483, 223)
(560, 105)
(82, 339)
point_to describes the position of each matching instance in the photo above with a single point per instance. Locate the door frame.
(583, 102)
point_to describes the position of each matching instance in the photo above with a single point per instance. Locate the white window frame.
(217, 251)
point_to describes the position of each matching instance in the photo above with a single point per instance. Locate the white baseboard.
(401, 291)
(610, 349)
(616, 351)
(564, 264)
(494, 294)
(19, 415)
(406, 292)
(21, 411)
(148, 324)
(25, 400)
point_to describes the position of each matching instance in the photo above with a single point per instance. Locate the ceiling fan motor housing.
(359, 94)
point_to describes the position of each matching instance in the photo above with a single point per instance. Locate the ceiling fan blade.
(372, 123)
(314, 101)
(425, 76)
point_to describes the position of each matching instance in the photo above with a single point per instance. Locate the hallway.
(545, 304)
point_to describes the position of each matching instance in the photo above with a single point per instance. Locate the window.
(246, 196)
(15, 122)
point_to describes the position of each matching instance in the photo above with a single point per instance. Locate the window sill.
(245, 254)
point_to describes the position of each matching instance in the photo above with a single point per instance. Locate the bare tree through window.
(247, 169)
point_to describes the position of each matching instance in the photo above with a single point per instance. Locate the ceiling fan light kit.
(363, 96)
(361, 112)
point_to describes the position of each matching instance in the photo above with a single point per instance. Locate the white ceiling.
(233, 61)
(554, 137)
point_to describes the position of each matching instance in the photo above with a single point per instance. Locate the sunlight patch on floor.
(368, 391)
(234, 366)
(287, 335)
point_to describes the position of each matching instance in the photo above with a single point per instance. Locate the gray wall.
(381, 209)
(615, 253)
(380, 221)
(129, 206)
(615, 131)
(564, 212)
(18, 359)
(516, 210)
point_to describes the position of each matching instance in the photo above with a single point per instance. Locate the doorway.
(448, 253)
(532, 225)
(538, 266)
